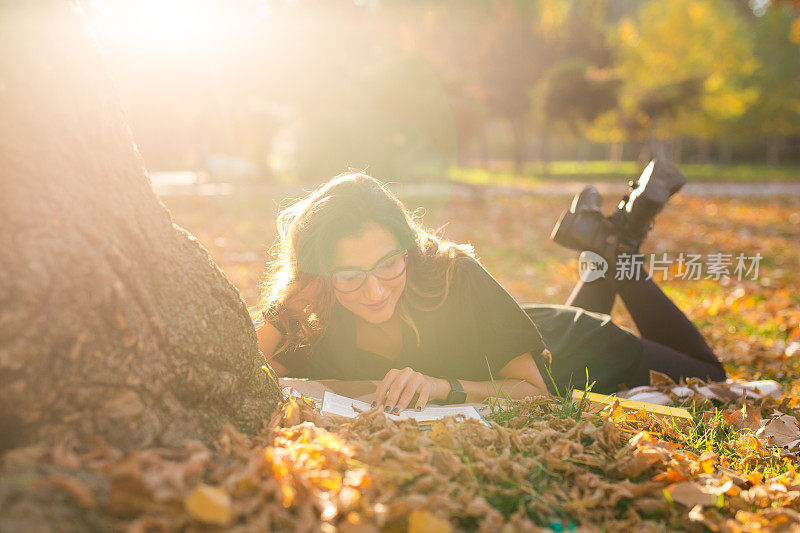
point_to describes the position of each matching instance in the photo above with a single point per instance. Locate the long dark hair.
(308, 232)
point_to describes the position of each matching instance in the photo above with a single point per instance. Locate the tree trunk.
(704, 150)
(584, 149)
(658, 149)
(677, 150)
(774, 144)
(615, 154)
(520, 145)
(725, 151)
(114, 322)
(544, 148)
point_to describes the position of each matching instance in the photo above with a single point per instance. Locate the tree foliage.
(685, 66)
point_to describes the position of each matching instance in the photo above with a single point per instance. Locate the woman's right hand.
(399, 387)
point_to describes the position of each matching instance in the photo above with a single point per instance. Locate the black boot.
(583, 226)
(634, 215)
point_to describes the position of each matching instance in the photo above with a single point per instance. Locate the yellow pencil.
(604, 399)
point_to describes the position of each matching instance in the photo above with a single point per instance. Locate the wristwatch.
(457, 394)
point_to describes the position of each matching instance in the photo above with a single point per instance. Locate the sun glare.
(161, 26)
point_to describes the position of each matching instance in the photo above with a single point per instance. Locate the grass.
(593, 171)
(709, 432)
(503, 408)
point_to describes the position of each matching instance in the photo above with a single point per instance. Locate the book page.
(438, 412)
(342, 405)
(336, 404)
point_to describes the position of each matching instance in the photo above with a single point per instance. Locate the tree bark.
(114, 322)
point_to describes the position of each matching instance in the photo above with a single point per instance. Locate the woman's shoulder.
(470, 283)
(469, 270)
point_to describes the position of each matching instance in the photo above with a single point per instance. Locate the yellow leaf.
(437, 431)
(795, 33)
(288, 493)
(422, 521)
(706, 462)
(627, 31)
(552, 15)
(210, 505)
(349, 499)
(617, 415)
(291, 413)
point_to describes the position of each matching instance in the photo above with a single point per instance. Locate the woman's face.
(376, 300)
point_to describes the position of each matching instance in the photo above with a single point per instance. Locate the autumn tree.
(114, 322)
(685, 65)
(579, 84)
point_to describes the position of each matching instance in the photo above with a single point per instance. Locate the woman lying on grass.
(359, 291)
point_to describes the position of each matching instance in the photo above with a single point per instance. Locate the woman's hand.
(399, 387)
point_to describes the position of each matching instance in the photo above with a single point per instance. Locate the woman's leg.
(675, 364)
(671, 344)
(596, 296)
(669, 332)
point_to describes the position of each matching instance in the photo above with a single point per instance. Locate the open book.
(342, 405)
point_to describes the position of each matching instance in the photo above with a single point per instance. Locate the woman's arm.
(307, 290)
(268, 340)
(519, 379)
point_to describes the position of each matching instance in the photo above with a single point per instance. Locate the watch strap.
(457, 393)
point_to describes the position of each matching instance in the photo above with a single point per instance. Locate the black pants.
(671, 344)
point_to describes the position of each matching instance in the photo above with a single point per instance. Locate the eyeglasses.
(390, 266)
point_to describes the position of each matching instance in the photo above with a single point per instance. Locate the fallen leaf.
(210, 505)
(705, 463)
(748, 417)
(78, 491)
(659, 380)
(689, 494)
(422, 521)
(670, 476)
(782, 431)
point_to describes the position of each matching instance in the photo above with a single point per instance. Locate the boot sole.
(589, 199)
(566, 226)
(668, 181)
(560, 232)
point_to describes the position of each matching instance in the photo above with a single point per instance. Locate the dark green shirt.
(476, 331)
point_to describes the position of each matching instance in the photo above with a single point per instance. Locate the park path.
(168, 186)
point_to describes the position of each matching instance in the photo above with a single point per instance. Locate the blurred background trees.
(286, 91)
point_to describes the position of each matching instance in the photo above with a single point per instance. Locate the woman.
(359, 291)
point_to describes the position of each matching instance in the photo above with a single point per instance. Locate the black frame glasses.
(365, 273)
